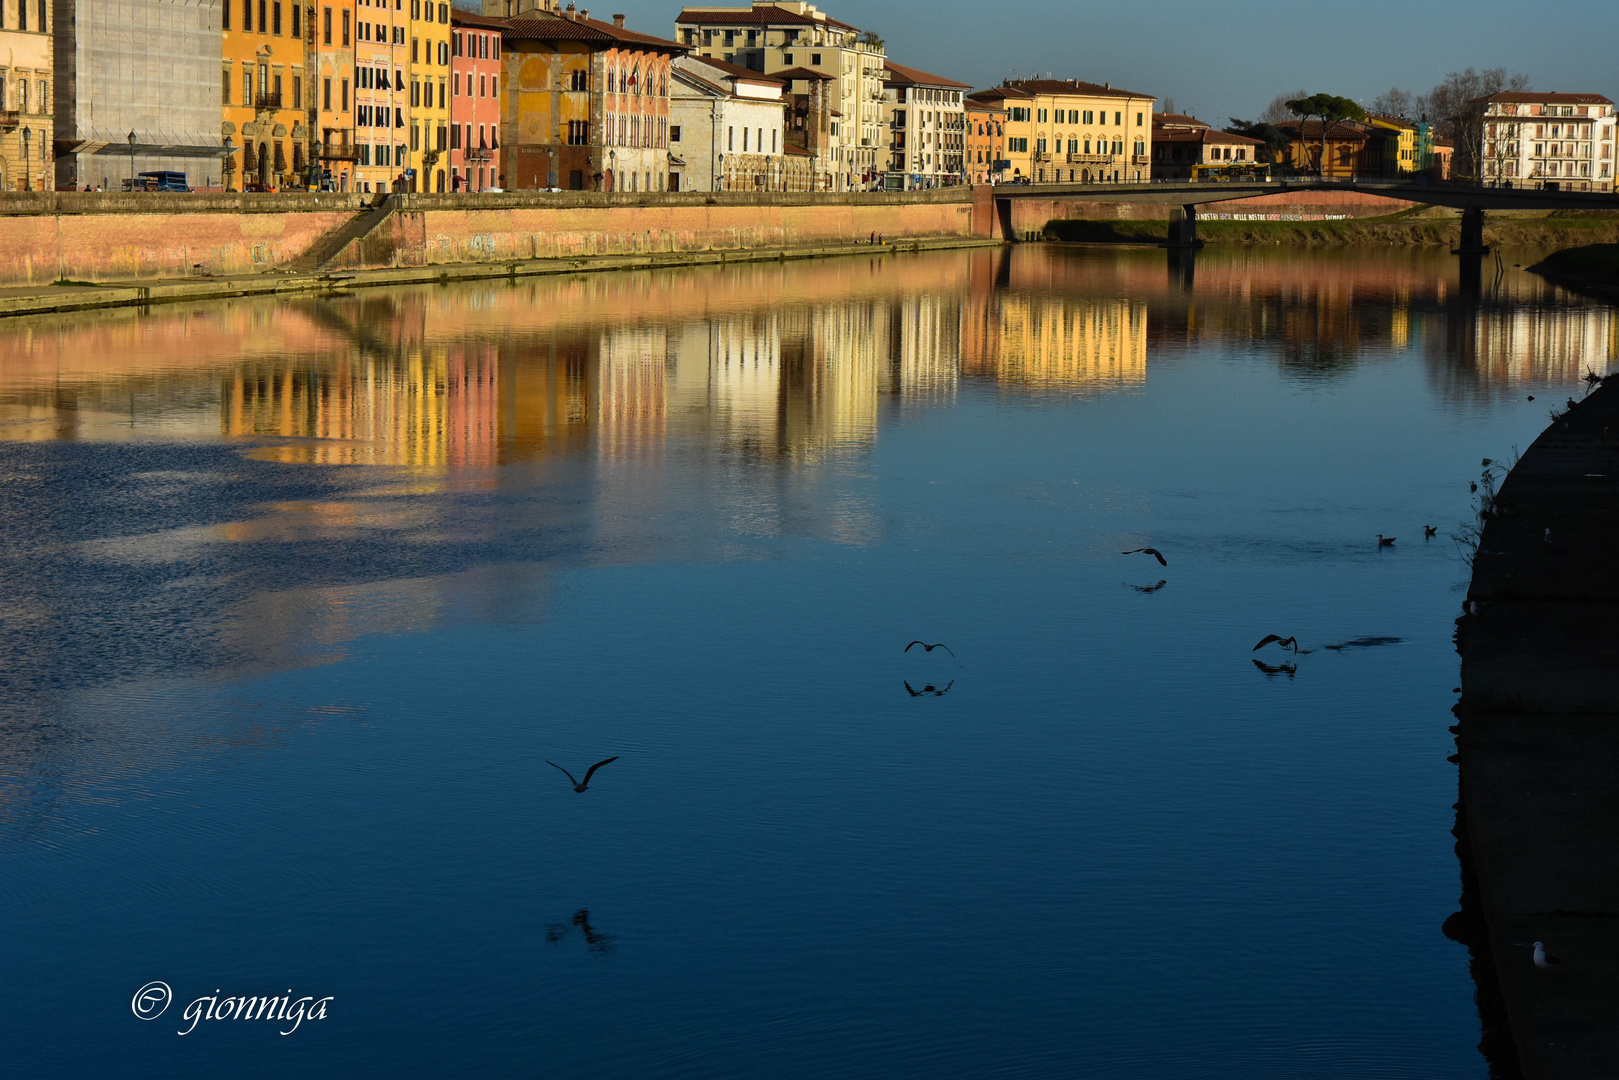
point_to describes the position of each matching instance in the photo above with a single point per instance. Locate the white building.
(1544, 140)
(927, 121)
(726, 127)
(775, 35)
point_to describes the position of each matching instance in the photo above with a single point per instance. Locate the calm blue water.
(300, 599)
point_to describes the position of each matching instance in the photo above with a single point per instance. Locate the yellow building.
(1399, 146)
(1073, 132)
(26, 126)
(262, 93)
(429, 96)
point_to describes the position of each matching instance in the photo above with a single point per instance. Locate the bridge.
(1186, 196)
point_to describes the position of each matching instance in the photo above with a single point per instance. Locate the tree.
(1332, 110)
(1169, 105)
(1275, 139)
(1457, 110)
(1277, 111)
(1402, 103)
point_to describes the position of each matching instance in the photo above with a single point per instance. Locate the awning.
(673, 160)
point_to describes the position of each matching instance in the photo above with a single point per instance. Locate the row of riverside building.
(417, 95)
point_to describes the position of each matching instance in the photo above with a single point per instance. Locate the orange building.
(262, 88)
(986, 142)
(332, 61)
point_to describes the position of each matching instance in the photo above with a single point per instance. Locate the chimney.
(618, 21)
(584, 13)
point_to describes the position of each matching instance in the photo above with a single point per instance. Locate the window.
(345, 28)
(455, 85)
(247, 88)
(275, 16)
(415, 94)
(483, 86)
(1043, 114)
(345, 95)
(455, 136)
(22, 15)
(326, 94)
(297, 21)
(455, 45)
(415, 137)
(441, 92)
(297, 90)
(247, 16)
(787, 58)
(1118, 119)
(1138, 119)
(1040, 146)
(815, 59)
(674, 133)
(415, 50)
(224, 15)
(730, 138)
(264, 23)
(224, 89)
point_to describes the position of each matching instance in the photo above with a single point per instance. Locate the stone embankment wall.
(100, 237)
(1031, 215)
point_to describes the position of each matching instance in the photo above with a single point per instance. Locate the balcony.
(267, 101)
(479, 154)
(9, 118)
(1140, 159)
(1090, 159)
(1041, 155)
(339, 151)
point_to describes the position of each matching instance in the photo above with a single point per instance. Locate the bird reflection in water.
(1288, 668)
(1362, 643)
(595, 941)
(929, 690)
(1147, 588)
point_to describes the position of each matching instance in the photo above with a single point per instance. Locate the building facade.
(137, 88)
(927, 128)
(1073, 132)
(474, 152)
(585, 104)
(27, 107)
(772, 37)
(261, 89)
(381, 97)
(1181, 142)
(727, 129)
(427, 167)
(331, 66)
(985, 142)
(1544, 140)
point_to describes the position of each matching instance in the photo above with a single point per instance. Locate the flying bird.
(1429, 532)
(577, 786)
(1384, 541)
(1592, 377)
(1284, 642)
(1149, 588)
(929, 648)
(1154, 552)
(1544, 959)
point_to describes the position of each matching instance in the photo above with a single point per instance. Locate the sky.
(1228, 59)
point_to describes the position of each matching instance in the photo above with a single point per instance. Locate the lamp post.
(612, 168)
(27, 165)
(131, 161)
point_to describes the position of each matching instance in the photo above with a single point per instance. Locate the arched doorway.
(264, 167)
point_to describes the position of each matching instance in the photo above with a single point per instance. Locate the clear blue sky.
(1230, 59)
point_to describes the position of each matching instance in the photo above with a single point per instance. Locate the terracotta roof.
(1073, 86)
(1390, 118)
(1177, 120)
(554, 28)
(801, 73)
(759, 16)
(469, 18)
(737, 71)
(900, 75)
(975, 105)
(1342, 131)
(1532, 98)
(1205, 136)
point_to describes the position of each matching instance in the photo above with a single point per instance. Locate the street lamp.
(131, 161)
(612, 168)
(27, 165)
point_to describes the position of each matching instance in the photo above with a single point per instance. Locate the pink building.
(474, 102)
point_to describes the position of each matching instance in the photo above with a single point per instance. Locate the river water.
(300, 599)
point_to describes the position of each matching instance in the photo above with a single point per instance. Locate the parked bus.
(158, 181)
(1224, 172)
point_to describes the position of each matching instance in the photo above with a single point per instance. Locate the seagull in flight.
(1284, 642)
(577, 786)
(929, 648)
(1154, 552)
(1544, 959)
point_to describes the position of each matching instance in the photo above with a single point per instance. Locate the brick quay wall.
(122, 237)
(119, 237)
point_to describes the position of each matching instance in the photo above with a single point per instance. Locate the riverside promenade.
(1538, 739)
